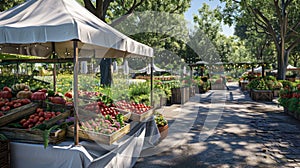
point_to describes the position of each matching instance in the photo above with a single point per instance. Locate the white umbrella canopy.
(31, 27)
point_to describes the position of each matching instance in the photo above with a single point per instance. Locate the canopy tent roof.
(288, 68)
(32, 27)
(155, 69)
(256, 70)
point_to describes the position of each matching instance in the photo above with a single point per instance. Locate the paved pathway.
(226, 131)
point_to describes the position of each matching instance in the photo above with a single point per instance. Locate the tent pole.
(151, 83)
(54, 67)
(75, 92)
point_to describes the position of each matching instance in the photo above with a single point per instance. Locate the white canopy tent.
(31, 27)
(147, 69)
(289, 67)
(256, 70)
(63, 27)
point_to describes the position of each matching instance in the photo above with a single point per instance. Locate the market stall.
(64, 29)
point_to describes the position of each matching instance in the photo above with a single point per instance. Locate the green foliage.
(266, 83)
(33, 83)
(262, 23)
(160, 119)
(7, 4)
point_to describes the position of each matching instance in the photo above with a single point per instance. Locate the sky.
(196, 4)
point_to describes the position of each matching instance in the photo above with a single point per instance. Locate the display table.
(122, 153)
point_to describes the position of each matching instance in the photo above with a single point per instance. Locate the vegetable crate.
(33, 136)
(99, 137)
(36, 135)
(17, 113)
(4, 154)
(261, 95)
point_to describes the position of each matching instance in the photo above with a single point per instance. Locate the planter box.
(4, 154)
(180, 95)
(295, 114)
(141, 117)
(17, 113)
(261, 95)
(99, 137)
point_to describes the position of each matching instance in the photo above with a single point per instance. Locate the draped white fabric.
(44, 21)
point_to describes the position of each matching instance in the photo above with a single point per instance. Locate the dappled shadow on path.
(249, 134)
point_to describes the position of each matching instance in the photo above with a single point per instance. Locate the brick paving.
(227, 129)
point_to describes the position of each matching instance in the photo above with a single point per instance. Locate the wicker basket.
(4, 154)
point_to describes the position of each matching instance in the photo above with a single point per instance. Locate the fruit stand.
(103, 136)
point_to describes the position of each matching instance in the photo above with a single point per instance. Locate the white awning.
(32, 27)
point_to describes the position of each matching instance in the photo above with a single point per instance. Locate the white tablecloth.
(121, 154)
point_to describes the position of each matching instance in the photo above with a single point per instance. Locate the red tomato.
(16, 105)
(23, 121)
(5, 108)
(6, 89)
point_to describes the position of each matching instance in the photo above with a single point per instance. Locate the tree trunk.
(282, 64)
(105, 71)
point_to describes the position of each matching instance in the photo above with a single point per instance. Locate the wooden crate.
(4, 154)
(18, 113)
(141, 117)
(35, 135)
(262, 95)
(32, 136)
(99, 137)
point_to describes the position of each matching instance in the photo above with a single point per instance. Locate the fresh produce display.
(24, 94)
(37, 118)
(19, 87)
(21, 82)
(289, 97)
(100, 107)
(104, 125)
(5, 94)
(69, 95)
(39, 95)
(57, 100)
(87, 94)
(138, 108)
(6, 105)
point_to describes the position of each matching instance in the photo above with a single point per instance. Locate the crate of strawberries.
(139, 111)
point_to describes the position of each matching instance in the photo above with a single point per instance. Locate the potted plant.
(162, 125)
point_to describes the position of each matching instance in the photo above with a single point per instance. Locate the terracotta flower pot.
(163, 130)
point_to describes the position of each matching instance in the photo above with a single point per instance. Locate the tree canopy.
(277, 19)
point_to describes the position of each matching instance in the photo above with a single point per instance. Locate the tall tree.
(279, 19)
(213, 46)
